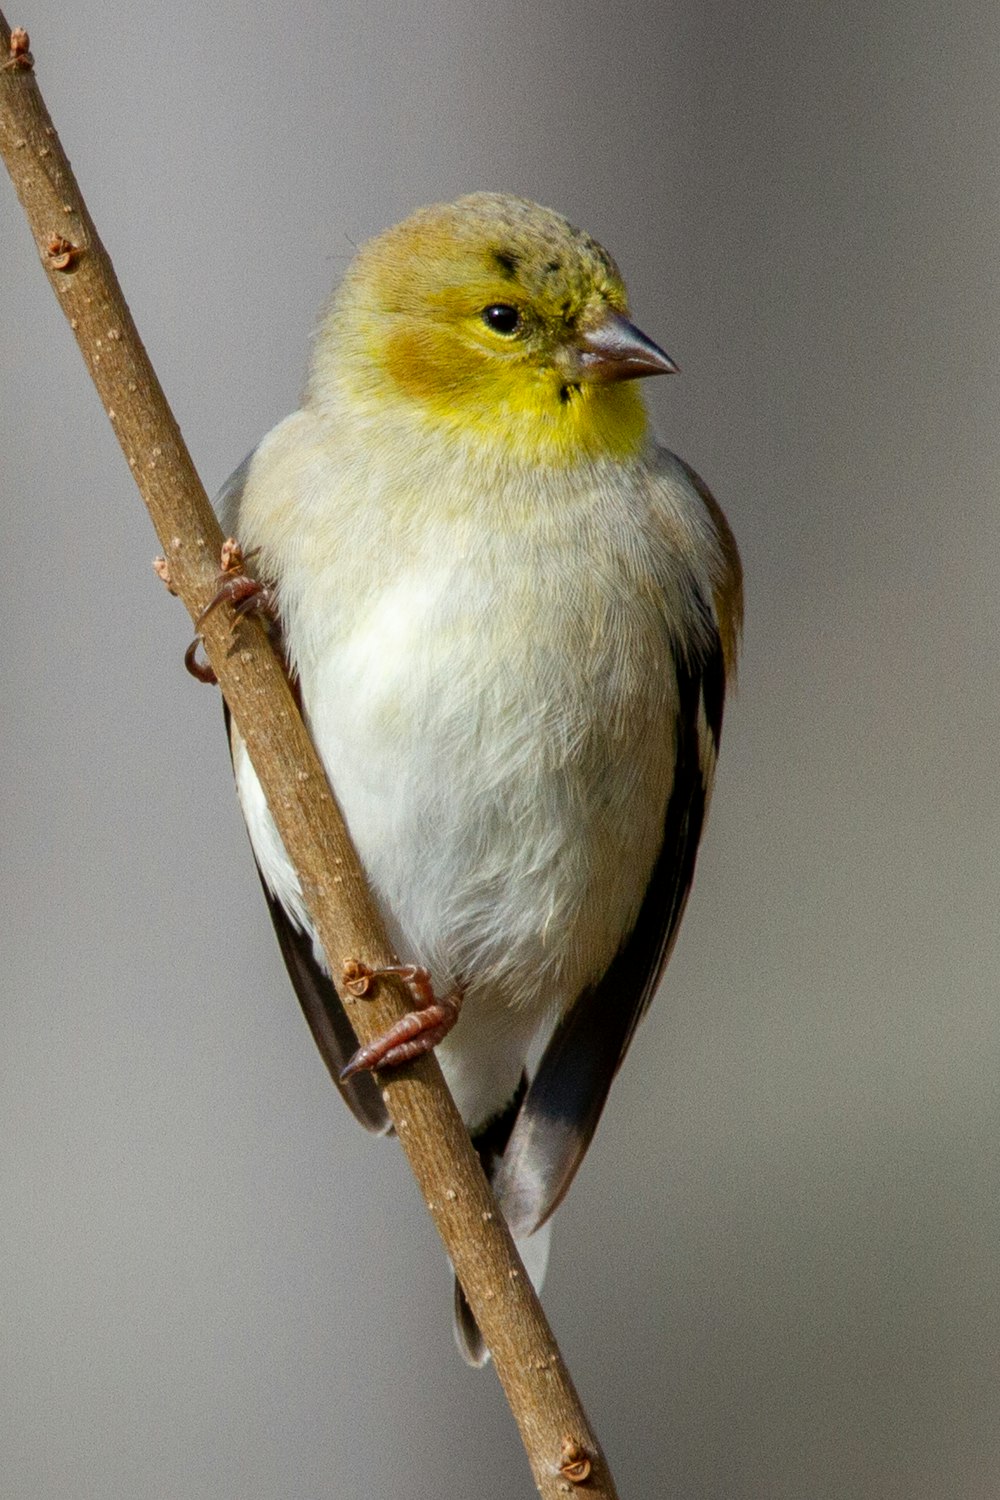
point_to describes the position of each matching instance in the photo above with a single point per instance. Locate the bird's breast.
(498, 726)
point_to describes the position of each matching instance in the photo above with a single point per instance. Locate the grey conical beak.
(614, 349)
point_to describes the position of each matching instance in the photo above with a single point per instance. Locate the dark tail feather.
(490, 1144)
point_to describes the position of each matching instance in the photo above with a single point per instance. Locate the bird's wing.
(565, 1098)
(327, 1019)
(568, 1092)
(332, 1032)
(226, 500)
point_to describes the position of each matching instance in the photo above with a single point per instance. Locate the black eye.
(502, 318)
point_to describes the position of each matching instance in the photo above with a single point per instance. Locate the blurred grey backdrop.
(776, 1276)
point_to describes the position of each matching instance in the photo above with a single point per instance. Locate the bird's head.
(496, 320)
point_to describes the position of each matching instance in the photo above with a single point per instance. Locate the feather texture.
(563, 1104)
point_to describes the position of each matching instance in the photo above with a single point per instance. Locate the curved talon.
(417, 1032)
(247, 595)
(417, 980)
(201, 670)
(244, 593)
(256, 602)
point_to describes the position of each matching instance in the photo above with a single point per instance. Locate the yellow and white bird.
(511, 616)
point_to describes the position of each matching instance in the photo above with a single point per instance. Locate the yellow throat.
(493, 320)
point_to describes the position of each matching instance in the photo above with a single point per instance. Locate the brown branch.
(563, 1452)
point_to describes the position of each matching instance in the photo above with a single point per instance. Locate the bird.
(511, 617)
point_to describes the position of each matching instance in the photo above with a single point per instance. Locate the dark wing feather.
(332, 1031)
(568, 1092)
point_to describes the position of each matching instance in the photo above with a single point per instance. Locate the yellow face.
(484, 314)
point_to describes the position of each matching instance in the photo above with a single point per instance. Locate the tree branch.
(563, 1452)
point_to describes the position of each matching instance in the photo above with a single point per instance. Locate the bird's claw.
(247, 595)
(200, 670)
(417, 1032)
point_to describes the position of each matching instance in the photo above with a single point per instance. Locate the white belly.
(502, 754)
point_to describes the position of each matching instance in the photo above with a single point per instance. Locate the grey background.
(777, 1274)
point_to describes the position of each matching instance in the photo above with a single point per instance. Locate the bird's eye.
(502, 318)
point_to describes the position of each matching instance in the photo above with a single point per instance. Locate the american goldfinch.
(511, 617)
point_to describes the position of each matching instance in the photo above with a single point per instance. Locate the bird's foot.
(248, 596)
(417, 1032)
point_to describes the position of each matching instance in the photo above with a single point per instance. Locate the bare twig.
(563, 1452)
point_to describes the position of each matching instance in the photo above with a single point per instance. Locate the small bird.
(511, 617)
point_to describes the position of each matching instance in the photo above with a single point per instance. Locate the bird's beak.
(614, 349)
